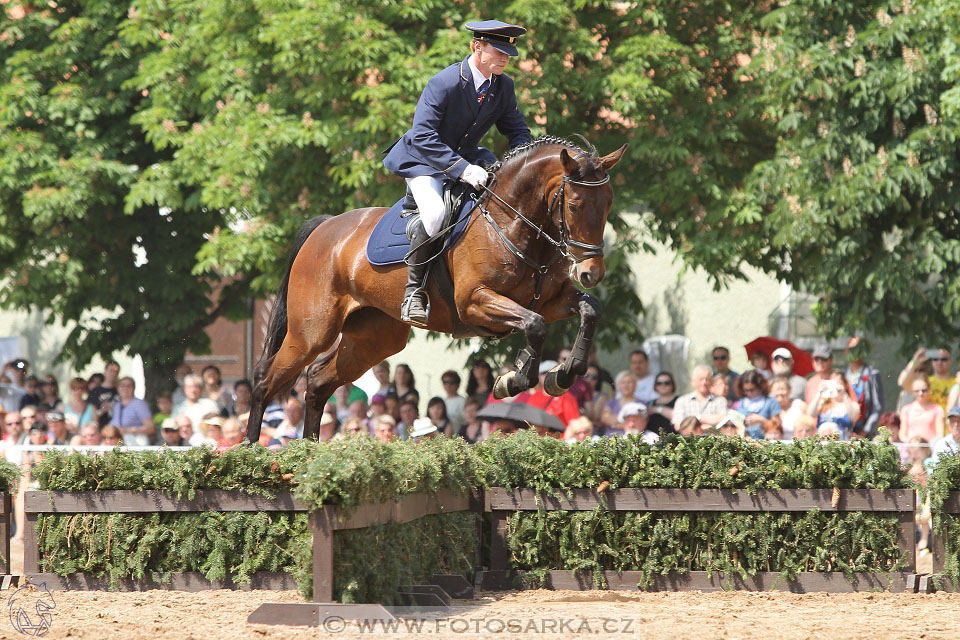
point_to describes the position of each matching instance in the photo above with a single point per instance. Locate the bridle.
(564, 245)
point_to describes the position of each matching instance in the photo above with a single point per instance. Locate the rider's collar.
(478, 78)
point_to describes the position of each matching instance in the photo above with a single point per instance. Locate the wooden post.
(907, 538)
(938, 549)
(322, 524)
(7, 506)
(31, 546)
(499, 553)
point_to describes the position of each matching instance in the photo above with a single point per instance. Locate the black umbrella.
(521, 412)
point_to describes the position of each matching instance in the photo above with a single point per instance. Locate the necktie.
(482, 91)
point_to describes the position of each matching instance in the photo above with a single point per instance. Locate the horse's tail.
(278, 316)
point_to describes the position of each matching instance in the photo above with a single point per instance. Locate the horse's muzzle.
(590, 272)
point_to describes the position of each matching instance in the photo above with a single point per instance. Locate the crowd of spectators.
(769, 401)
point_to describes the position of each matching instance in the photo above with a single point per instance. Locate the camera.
(932, 353)
(829, 389)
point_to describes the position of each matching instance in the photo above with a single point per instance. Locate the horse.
(536, 231)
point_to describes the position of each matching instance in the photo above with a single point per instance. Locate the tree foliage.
(240, 121)
(812, 140)
(74, 236)
(859, 202)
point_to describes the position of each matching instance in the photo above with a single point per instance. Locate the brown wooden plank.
(31, 550)
(179, 581)
(834, 582)
(6, 503)
(896, 500)
(123, 501)
(407, 509)
(499, 551)
(952, 503)
(322, 524)
(365, 515)
(938, 550)
(313, 614)
(907, 540)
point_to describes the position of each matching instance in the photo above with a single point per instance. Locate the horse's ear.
(570, 165)
(608, 161)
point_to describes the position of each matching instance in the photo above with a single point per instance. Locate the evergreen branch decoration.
(371, 562)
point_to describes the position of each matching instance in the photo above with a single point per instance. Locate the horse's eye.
(574, 209)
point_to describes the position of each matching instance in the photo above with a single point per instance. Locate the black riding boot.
(416, 303)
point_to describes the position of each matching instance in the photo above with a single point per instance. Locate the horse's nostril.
(586, 279)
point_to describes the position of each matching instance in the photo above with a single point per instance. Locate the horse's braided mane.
(522, 150)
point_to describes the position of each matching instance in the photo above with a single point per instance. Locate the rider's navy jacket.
(449, 123)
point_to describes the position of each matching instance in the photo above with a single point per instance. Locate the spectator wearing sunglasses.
(757, 407)
(721, 366)
(940, 379)
(453, 400)
(823, 368)
(602, 393)
(922, 417)
(660, 411)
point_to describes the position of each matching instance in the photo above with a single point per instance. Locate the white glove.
(475, 176)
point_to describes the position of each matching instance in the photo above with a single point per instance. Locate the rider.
(455, 110)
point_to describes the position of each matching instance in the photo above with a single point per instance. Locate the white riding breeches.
(428, 193)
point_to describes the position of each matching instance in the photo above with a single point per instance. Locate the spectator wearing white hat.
(732, 424)
(170, 432)
(782, 366)
(57, 425)
(633, 420)
(423, 429)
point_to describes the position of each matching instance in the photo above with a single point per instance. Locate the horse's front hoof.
(501, 388)
(506, 386)
(552, 383)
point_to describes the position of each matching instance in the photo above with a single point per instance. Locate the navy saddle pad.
(388, 243)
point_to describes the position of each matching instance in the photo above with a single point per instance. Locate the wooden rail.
(502, 503)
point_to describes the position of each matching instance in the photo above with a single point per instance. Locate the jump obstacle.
(500, 503)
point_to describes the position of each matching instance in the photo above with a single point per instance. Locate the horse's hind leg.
(273, 375)
(368, 337)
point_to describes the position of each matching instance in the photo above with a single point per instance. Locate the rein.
(562, 245)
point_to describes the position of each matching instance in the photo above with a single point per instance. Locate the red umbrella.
(802, 362)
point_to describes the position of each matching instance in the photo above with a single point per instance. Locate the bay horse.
(536, 228)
